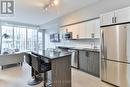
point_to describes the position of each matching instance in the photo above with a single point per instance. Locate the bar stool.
(36, 79)
(41, 65)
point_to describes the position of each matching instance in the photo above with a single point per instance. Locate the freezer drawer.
(115, 73)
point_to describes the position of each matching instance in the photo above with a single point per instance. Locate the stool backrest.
(35, 62)
(28, 58)
(42, 59)
(39, 63)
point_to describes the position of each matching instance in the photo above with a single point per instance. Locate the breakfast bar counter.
(60, 67)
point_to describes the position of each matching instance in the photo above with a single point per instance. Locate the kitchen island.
(60, 73)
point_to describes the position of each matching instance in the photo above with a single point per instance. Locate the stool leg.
(21, 64)
(32, 72)
(2, 67)
(36, 79)
(45, 79)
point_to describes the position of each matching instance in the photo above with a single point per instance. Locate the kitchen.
(84, 38)
(95, 33)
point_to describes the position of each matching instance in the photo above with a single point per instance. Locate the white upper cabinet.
(108, 18)
(85, 30)
(97, 28)
(123, 15)
(115, 17)
(91, 29)
(75, 31)
(90, 26)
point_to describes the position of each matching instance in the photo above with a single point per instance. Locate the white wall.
(83, 14)
(51, 27)
(94, 10)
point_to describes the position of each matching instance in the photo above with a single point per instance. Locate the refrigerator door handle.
(104, 70)
(102, 44)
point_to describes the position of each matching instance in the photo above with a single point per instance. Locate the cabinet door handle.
(92, 35)
(66, 30)
(87, 54)
(77, 36)
(113, 18)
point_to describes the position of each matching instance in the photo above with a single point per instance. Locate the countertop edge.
(84, 49)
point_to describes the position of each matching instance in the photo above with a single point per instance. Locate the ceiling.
(31, 12)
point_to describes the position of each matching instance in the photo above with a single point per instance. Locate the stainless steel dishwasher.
(74, 58)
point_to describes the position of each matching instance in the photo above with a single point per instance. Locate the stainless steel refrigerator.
(115, 55)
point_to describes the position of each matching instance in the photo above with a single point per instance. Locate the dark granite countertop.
(80, 49)
(53, 54)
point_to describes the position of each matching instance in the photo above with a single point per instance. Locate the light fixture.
(50, 4)
(56, 2)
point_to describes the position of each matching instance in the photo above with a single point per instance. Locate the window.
(20, 38)
(40, 42)
(32, 39)
(7, 38)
